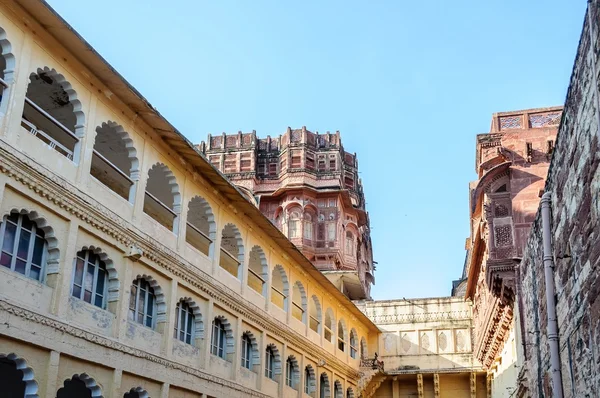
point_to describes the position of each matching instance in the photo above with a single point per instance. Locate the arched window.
(246, 351)
(309, 380)
(24, 246)
(142, 303)
(294, 225)
(185, 322)
(114, 161)
(308, 227)
(314, 314)
(258, 270)
(353, 343)
(341, 335)
(7, 65)
(162, 201)
(349, 243)
(270, 362)
(217, 341)
(338, 391)
(79, 386)
(137, 392)
(291, 372)
(279, 288)
(324, 390)
(16, 378)
(201, 227)
(53, 113)
(232, 250)
(299, 302)
(329, 323)
(90, 279)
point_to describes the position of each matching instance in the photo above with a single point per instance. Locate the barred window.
(142, 303)
(184, 322)
(89, 279)
(24, 247)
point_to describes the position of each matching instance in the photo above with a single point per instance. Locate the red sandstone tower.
(308, 186)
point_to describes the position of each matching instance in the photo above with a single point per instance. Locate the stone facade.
(308, 186)
(426, 347)
(573, 183)
(130, 266)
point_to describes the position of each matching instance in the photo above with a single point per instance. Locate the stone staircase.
(372, 374)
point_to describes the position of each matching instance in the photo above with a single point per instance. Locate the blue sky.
(408, 84)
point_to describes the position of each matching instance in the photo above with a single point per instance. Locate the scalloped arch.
(364, 353)
(295, 370)
(338, 390)
(137, 392)
(325, 384)
(349, 392)
(253, 348)
(113, 277)
(299, 287)
(73, 99)
(316, 304)
(264, 266)
(343, 328)
(161, 305)
(229, 343)
(90, 383)
(120, 132)
(53, 252)
(9, 58)
(198, 321)
(170, 177)
(279, 273)
(31, 386)
(333, 326)
(277, 361)
(238, 240)
(312, 379)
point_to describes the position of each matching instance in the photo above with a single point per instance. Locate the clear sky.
(408, 84)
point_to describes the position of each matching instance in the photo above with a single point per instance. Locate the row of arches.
(17, 380)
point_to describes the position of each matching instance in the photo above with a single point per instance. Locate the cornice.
(115, 345)
(64, 195)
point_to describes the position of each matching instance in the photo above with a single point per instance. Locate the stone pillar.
(217, 251)
(61, 278)
(52, 382)
(283, 369)
(262, 348)
(237, 349)
(124, 293)
(489, 385)
(301, 376)
(436, 385)
(116, 384)
(170, 324)
(473, 385)
(140, 194)
(395, 388)
(164, 390)
(86, 147)
(420, 392)
(208, 332)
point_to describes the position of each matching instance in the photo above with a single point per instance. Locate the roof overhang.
(101, 69)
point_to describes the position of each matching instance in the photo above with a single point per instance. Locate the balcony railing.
(229, 262)
(372, 363)
(110, 175)
(198, 239)
(159, 211)
(56, 135)
(255, 281)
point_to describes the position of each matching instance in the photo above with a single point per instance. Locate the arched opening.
(342, 335)
(114, 161)
(279, 288)
(250, 357)
(338, 390)
(162, 201)
(314, 314)
(258, 271)
(147, 302)
(24, 248)
(353, 343)
(272, 362)
(324, 388)
(80, 386)
(7, 67)
(201, 228)
(189, 327)
(292, 375)
(310, 381)
(221, 340)
(90, 279)
(329, 325)
(299, 302)
(53, 113)
(16, 378)
(137, 392)
(232, 250)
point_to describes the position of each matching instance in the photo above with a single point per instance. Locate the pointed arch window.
(184, 322)
(142, 303)
(90, 279)
(24, 247)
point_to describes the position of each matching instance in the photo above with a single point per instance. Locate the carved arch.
(349, 392)
(198, 321)
(295, 370)
(90, 384)
(314, 309)
(136, 392)
(31, 385)
(312, 379)
(161, 303)
(338, 390)
(113, 277)
(53, 251)
(255, 358)
(119, 131)
(277, 360)
(261, 268)
(279, 278)
(299, 288)
(229, 343)
(324, 384)
(172, 184)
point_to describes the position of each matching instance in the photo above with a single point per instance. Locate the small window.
(308, 227)
(246, 351)
(217, 341)
(24, 247)
(269, 362)
(142, 303)
(349, 244)
(329, 326)
(184, 322)
(307, 380)
(353, 344)
(332, 165)
(341, 336)
(294, 225)
(310, 161)
(331, 231)
(289, 372)
(89, 279)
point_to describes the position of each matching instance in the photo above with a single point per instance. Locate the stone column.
(436, 385)
(164, 390)
(52, 382)
(116, 384)
(237, 340)
(61, 278)
(420, 385)
(473, 385)
(124, 293)
(283, 369)
(208, 332)
(140, 194)
(395, 388)
(86, 147)
(170, 324)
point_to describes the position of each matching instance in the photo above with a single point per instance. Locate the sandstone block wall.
(574, 182)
